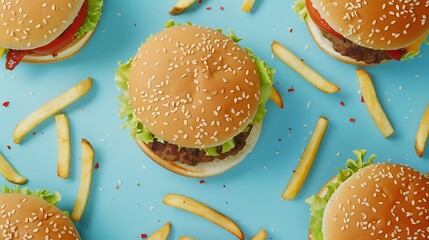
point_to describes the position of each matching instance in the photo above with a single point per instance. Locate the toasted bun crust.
(34, 23)
(206, 169)
(326, 46)
(381, 201)
(29, 217)
(193, 86)
(71, 49)
(382, 24)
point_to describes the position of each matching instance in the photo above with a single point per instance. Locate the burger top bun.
(381, 201)
(29, 217)
(193, 86)
(34, 23)
(382, 24)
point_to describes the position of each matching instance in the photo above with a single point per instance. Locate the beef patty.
(347, 48)
(193, 156)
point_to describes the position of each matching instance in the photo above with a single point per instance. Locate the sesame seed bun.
(384, 25)
(29, 217)
(381, 201)
(71, 49)
(206, 169)
(193, 86)
(35, 23)
(326, 46)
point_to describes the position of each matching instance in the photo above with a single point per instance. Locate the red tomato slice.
(67, 36)
(396, 54)
(317, 19)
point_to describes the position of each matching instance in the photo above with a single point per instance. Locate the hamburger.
(371, 201)
(44, 31)
(34, 215)
(194, 99)
(369, 32)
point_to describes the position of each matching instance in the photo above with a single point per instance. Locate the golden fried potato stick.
(181, 5)
(204, 211)
(372, 103)
(85, 180)
(307, 159)
(276, 97)
(51, 108)
(422, 134)
(303, 69)
(162, 233)
(8, 172)
(261, 235)
(186, 238)
(247, 5)
(63, 136)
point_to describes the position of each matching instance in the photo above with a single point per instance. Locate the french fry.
(63, 136)
(373, 105)
(276, 97)
(50, 109)
(186, 238)
(422, 134)
(303, 69)
(204, 211)
(9, 172)
(162, 233)
(85, 180)
(307, 159)
(247, 5)
(181, 5)
(261, 235)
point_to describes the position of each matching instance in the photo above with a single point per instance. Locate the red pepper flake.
(222, 8)
(209, 8)
(97, 166)
(34, 133)
(342, 103)
(294, 171)
(291, 89)
(202, 181)
(290, 30)
(200, 1)
(117, 187)
(143, 235)
(8, 147)
(352, 120)
(6, 104)
(362, 99)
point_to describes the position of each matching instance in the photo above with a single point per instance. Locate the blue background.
(127, 190)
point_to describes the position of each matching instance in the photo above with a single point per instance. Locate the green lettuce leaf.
(92, 18)
(52, 198)
(299, 8)
(139, 132)
(318, 204)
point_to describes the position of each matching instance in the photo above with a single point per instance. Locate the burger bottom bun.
(68, 51)
(322, 193)
(206, 169)
(326, 46)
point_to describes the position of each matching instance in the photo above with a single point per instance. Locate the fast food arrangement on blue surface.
(186, 119)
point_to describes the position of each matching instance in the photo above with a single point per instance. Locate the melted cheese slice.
(415, 47)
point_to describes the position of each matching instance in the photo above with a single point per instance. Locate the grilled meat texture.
(347, 48)
(193, 156)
